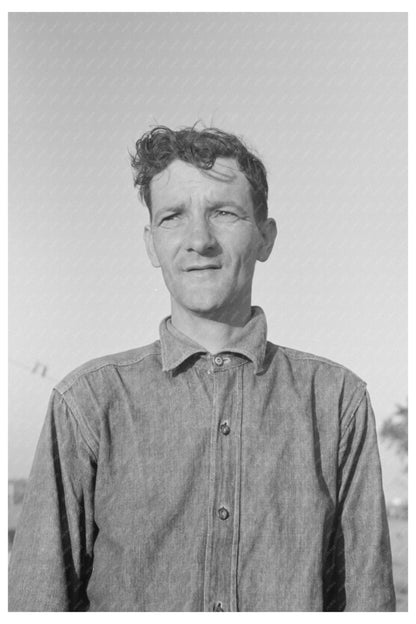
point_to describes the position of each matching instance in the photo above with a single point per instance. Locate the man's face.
(204, 236)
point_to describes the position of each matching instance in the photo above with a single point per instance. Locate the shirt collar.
(176, 347)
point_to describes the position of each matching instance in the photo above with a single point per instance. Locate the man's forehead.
(181, 178)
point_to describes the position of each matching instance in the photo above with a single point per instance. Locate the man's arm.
(51, 558)
(362, 557)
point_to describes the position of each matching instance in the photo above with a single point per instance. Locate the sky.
(320, 97)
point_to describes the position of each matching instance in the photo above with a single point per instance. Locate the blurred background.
(321, 97)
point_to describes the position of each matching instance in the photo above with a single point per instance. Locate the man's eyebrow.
(226, 202)
(170, 208)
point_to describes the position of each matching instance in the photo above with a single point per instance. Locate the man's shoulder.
(119, 360)
(330, 386)
(310, 363)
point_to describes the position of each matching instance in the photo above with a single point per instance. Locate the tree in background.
(394, 431)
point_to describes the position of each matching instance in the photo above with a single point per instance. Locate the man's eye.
(170, 218)
(226, 215)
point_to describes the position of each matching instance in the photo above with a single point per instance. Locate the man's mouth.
(206, 267)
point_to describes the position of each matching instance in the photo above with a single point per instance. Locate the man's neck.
(213, 334)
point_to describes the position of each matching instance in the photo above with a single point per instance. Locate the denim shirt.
(170, 479)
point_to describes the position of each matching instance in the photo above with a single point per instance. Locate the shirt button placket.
(219, 578)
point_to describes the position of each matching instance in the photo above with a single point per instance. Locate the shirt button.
(225, 429)
(223, 513)
(218, 360)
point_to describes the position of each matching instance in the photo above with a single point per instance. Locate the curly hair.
(158, 147)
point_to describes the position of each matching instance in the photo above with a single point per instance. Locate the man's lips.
(202, 268)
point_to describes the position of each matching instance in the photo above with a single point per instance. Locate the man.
(211, 470)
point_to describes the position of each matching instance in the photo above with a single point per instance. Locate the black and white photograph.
(207, 359)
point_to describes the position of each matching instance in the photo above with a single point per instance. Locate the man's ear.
(268, 231)
(150, 248)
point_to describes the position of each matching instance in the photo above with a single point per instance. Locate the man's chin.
(205, 310)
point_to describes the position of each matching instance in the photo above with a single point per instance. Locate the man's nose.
(200, 236)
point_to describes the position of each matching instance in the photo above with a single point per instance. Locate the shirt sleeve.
(361, 547)
(52, 554)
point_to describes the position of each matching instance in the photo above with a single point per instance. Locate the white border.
(221, 6)
(214, 6)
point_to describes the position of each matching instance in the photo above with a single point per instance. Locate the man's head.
(208, 224)
(156, 149)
